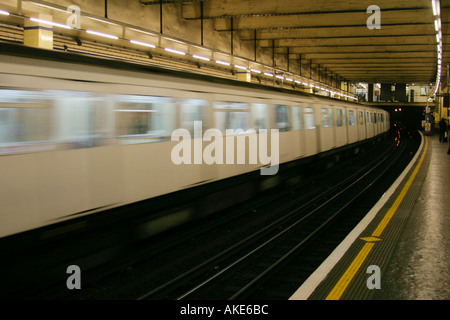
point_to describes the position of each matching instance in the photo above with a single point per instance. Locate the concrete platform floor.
(419, 268)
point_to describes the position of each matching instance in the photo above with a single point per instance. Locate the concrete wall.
(173, 25)
(417, 93)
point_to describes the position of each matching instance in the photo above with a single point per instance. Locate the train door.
(385, 121)
(375, 123)
(195, 115)
(370, 124)
(352, 128)
(380, 124)
(297, 128)
(340, 126)
(289, 142)
(326, 128)
(232, 119)
(361, 125)
(310, 135)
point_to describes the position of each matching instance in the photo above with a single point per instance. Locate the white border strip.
(308, 287)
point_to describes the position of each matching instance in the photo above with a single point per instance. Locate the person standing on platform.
(442, 130)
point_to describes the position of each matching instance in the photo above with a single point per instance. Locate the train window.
(340, 118)
(282, 117)
(230, 105)
(259, 116)
(233, 115)
(371, 117)
(25, 121)
(45, 120)
(296, 118)
(330, 117)
(78, 118)
(192, 110)
(325, 117)
(367, 117)
(351, 118)
(141, 119)
(382, 117)
(361, 118)
(231, 120)
(309, 118)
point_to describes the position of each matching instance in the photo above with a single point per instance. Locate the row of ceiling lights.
(438, 27)
(199, 57)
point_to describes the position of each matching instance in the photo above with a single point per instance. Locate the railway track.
(242, 257)
(239, 253)
(244, 269)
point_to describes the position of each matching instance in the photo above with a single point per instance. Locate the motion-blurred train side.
(80, 135)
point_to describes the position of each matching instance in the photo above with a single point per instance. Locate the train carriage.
(79, 135)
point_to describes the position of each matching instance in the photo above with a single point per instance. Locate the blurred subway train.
(81, 135)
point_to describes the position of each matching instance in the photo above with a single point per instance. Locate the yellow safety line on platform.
(346, 278)
(399, 199)
(344, 281)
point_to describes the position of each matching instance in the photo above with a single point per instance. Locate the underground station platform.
(399, 251)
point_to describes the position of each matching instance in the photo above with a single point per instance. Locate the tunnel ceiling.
(334, 36)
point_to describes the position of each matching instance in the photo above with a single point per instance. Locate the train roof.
(19, 50)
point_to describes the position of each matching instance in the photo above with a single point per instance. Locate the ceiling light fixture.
(433, 4)
(222, 62)
(200, 57)
(143, 43)
(175, 51)
(55, 24)
(102, 34)
(240, 67)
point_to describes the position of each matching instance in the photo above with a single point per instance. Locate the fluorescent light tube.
(200, 57)
(102, 34)
(222, 62)
(50, 23)
(143, 43)
(175, 51)
(240, 67)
